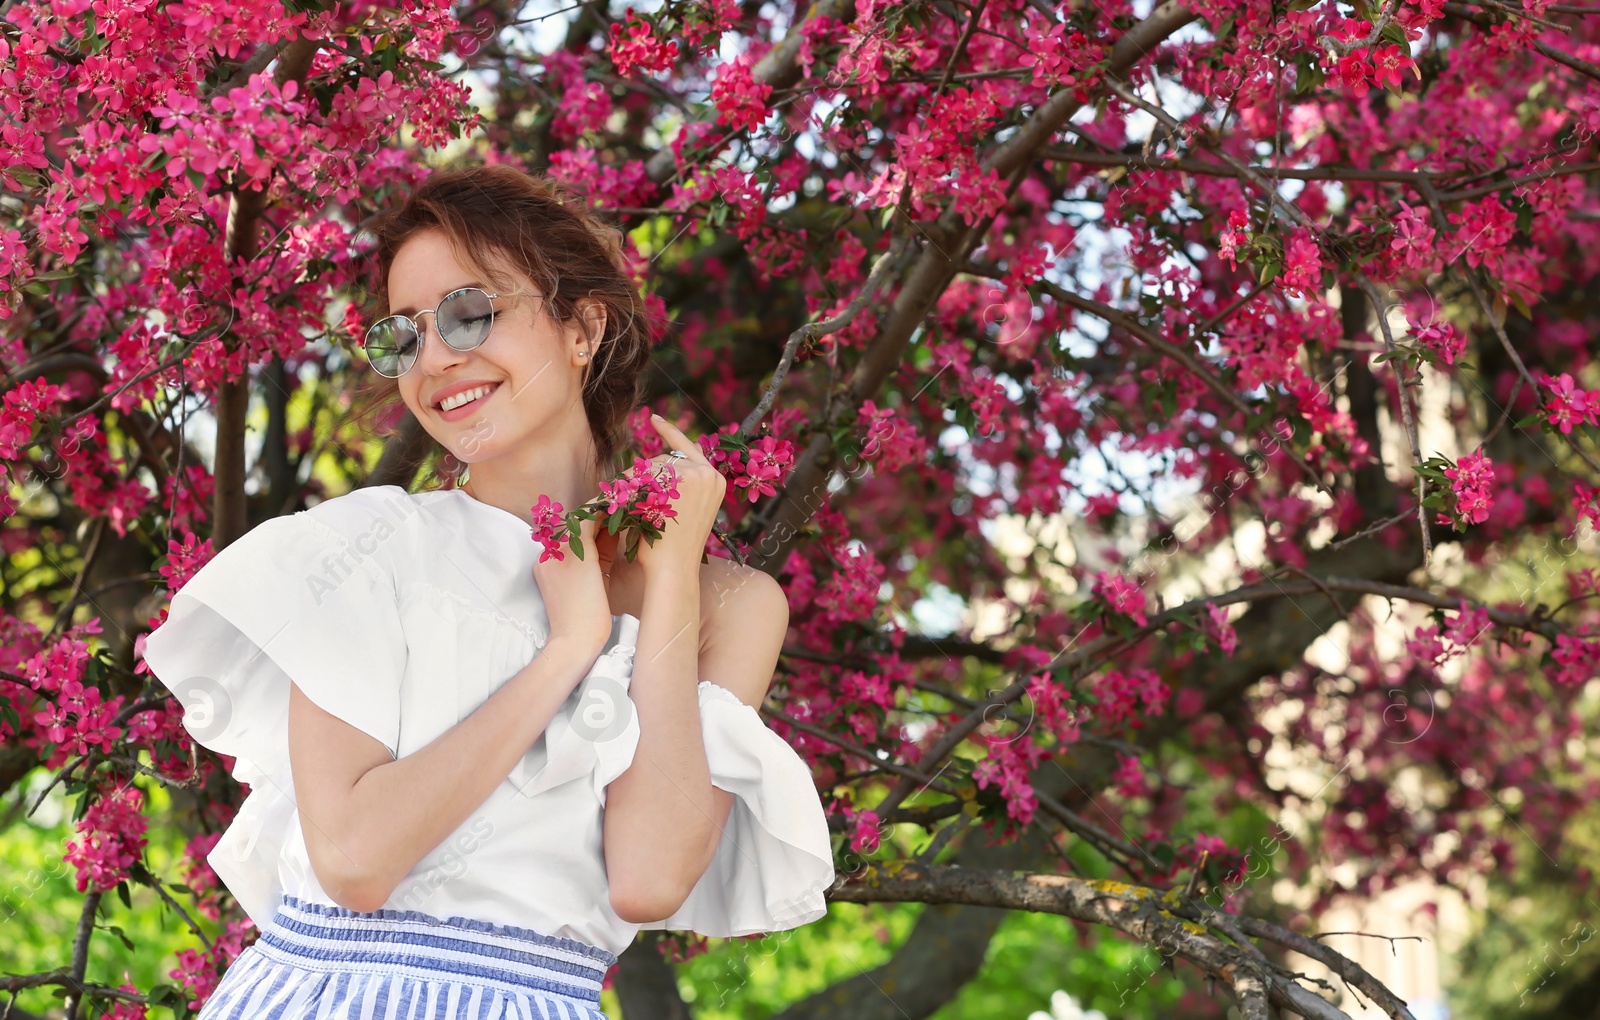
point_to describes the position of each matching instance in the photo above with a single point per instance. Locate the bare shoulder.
(744, 617)
(742, 595)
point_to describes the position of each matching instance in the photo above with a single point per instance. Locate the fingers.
(677, 440)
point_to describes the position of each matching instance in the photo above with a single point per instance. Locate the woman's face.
(528, 366)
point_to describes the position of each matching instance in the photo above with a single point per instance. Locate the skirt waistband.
(323, 936)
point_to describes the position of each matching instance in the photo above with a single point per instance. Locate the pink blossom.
(1468, 626)
(1055, 56)
(1472, 480)
(1353, 72)
(1128, 777)
(1302, 263)
(120, 1010)
(1414, 238)
(185, 559)
(1121, 594)
(634, 46)
(1130, 695)
(110, 839)
(1440, 337)
(1483, 229)
(549, 527)
(765, 464)
(740, 100)
(199, 972)
(1586, 500)
(892, 442)
(864, 839)
(1569, 406)
(1220, 628)
(1577, 659)
(1237, 232)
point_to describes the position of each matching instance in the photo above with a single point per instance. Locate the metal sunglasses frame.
(422, 334)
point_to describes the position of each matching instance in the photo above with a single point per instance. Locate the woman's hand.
(575, 596)
(700, 490)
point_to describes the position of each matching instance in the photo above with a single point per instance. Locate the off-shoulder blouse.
(401, 613)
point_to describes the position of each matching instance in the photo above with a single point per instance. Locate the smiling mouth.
(465, 397)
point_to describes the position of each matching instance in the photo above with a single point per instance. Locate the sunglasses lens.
(392, 345)
(465, 318)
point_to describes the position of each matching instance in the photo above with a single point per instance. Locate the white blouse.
(400, 613)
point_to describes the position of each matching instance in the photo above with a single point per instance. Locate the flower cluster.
(199, 972)
(1577, 659)
(634, 505)
(741, 101)
(1130, 695)
(1220, 629)
(110, 839)
(1440, 338)
(1010, 765)
(1122, 595)
(637, 504)
(1472, 481)
(757, 468)
(634, 46)
(1568, 405)
(892, 443)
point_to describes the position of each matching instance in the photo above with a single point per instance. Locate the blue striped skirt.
(317, 961)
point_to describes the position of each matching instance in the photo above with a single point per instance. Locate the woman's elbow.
(646, 903)
(350, 887)
(363, 899)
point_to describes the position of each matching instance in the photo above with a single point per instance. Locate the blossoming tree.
(1287, 307)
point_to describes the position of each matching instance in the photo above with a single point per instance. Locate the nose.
(436, 357)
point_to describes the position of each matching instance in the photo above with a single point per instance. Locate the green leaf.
(577, 546)
(1164, 853)
(118, 932)
(1308, 74)
(167, 995)
(27, 178)
(122, 894)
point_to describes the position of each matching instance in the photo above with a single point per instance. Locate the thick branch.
(1165, 922)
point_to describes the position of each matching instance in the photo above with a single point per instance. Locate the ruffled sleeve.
(775, 860)
(596, 730)
(292, 599)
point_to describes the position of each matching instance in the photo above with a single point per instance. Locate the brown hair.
(539, 228)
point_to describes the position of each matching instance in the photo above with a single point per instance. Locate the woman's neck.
(514, 482)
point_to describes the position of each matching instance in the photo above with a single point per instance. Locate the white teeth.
(465, 396)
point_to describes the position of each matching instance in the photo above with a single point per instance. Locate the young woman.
(475, 776)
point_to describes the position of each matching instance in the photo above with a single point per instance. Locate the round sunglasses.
(463, 320)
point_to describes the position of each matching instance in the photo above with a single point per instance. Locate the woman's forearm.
(659, 817)
(397, 813)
